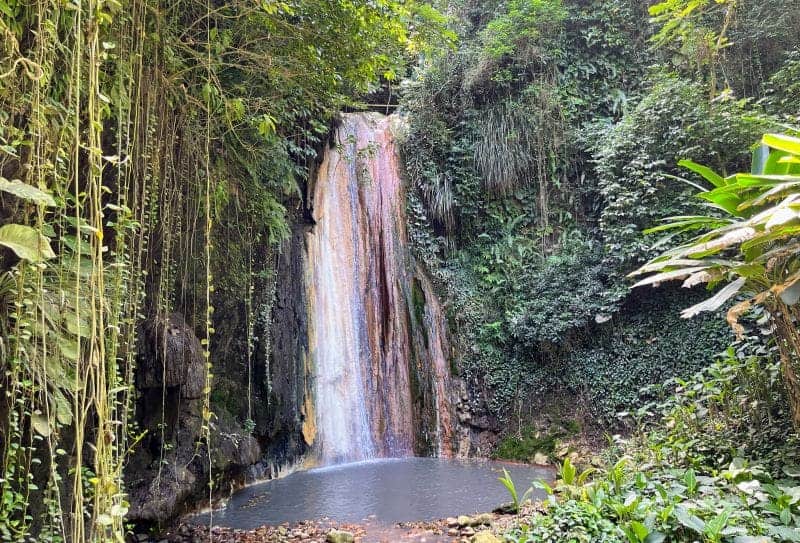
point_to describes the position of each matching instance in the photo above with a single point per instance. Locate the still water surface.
(390, 491)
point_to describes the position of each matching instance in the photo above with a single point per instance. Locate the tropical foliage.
(548, 142)
(749, 246)
(709, 463)
(147, 147)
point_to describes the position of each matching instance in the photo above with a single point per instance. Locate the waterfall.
(377, 336)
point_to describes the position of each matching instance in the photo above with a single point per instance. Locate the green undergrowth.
(715, 461)
(523, 446)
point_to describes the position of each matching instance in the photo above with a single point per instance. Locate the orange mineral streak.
(380, 376)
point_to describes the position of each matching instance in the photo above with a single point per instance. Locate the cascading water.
(376, 334)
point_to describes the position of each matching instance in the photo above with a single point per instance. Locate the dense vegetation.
(710, 462)
(147, 149)
(154, 160)
(544, 153)
(546, 144)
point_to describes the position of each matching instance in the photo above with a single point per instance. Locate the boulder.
(171, 356)
(541, 459)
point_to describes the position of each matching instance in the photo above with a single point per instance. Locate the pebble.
(336, 536)
(485, 537)
(462, 529)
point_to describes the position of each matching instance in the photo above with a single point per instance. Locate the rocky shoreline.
(482, 528)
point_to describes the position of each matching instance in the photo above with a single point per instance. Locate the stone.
(336, 536)
(485, 537)
(541, 459)
(453, 532)
(482, 519)
(468, 531)
(452, 521)
(179, 363)
(464, 520)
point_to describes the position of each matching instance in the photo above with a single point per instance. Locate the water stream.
(377, 335)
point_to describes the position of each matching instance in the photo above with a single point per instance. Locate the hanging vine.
(134, 136)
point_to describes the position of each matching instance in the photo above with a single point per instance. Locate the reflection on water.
(397, 490)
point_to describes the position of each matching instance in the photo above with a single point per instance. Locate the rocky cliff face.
(345, 278)
(253, 437)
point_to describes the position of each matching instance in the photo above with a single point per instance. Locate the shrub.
(713, 461)
(523, 447)
(637, 157)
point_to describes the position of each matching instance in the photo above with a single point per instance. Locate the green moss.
(418, 301)
(572, 426)
(523, 447)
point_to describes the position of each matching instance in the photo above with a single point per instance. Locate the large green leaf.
(672, 275)
(777, 191)
(759, 160)
(708, 174)
(689, 520)
(783, 142)
(726, 200)
(716, 301)
(26, 242)
(40, 423)
(26, 192)
(784, 532)
(689, 223)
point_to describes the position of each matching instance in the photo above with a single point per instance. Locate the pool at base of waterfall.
(388, 491)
